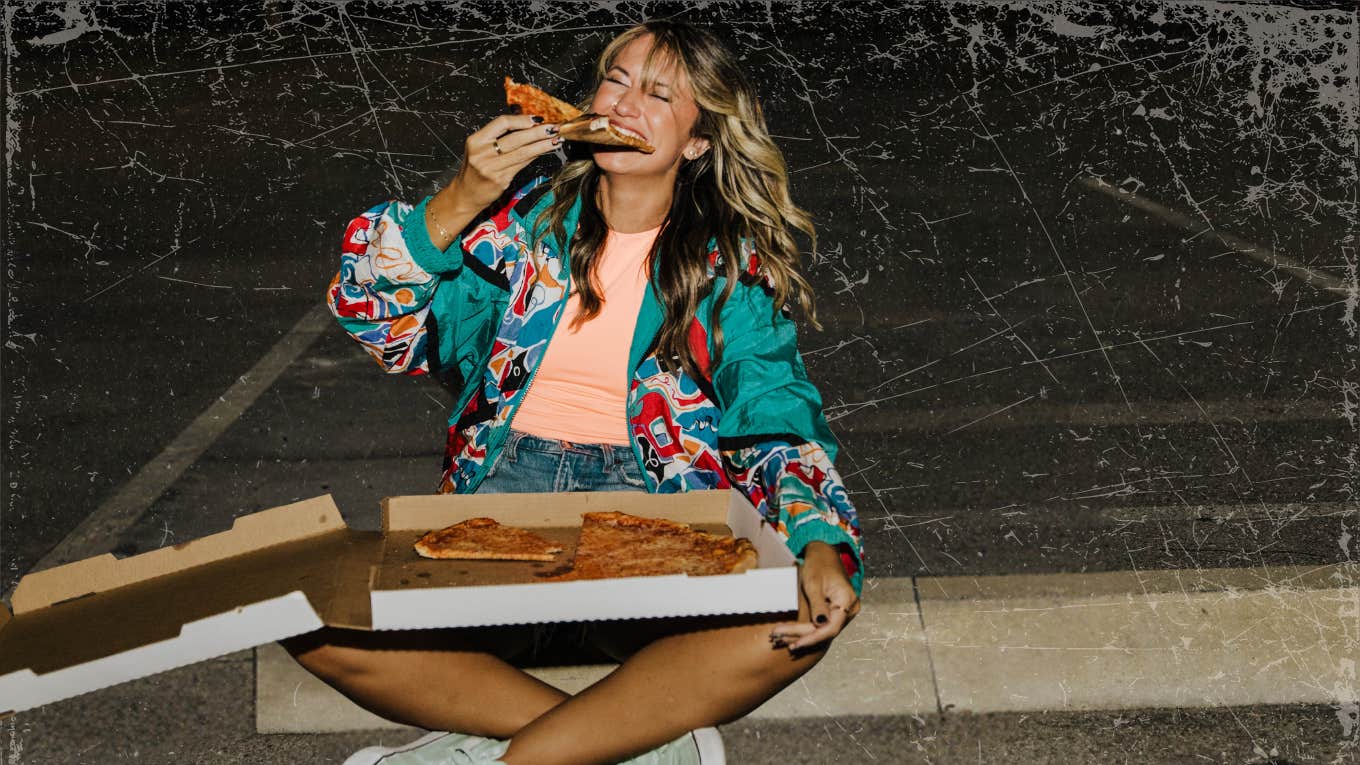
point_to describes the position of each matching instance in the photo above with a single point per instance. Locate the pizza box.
(102, 621)
(294, 569)
(411, 592)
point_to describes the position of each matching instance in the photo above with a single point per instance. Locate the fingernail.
(557, 140)
(551, 130)
(821, 618)
(537, 119)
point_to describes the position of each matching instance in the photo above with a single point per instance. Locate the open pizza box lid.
(103, 621)
(293, 569)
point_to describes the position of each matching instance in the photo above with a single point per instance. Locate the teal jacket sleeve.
(773, 435)
(395, 290)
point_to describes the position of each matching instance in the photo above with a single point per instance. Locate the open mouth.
(597, 128)
(630, 133)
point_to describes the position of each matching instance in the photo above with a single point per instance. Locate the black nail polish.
(821, 618)
(552, 130)
(537, 119)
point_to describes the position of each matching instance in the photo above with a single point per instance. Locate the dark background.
(1025, 374)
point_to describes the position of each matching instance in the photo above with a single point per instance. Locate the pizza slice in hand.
(485, 539)
(531, 100)
(573, 124)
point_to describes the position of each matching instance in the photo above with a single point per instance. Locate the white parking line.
(97, 533)
(1312, 276)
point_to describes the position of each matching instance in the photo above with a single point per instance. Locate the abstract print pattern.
(675, 425)
(380, 295)
(520, 343)
(809, 491)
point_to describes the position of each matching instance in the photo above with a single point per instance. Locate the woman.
(717, 396)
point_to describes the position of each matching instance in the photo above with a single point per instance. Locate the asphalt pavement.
(1026, 375)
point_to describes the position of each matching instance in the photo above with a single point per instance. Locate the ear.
(695, 148)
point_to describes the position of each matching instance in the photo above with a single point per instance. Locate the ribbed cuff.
(821, 531)
(423, 251)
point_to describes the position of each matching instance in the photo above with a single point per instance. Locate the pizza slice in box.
(572, 124)
(485, 539)
(614, 544)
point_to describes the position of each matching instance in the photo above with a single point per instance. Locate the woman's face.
(663, 116)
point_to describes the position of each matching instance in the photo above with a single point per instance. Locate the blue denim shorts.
(529, 463)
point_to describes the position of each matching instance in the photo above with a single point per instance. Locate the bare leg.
(692, 679)
(454, 680)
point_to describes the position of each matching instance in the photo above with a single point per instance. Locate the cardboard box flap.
(203, 639)
(233, 596)
(299, 520)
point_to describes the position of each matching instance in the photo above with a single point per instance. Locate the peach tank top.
(580, 391)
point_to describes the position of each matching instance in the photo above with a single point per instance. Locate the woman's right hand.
(493, 155)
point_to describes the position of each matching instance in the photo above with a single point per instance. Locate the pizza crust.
(596, 128)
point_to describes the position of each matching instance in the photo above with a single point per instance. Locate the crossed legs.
(454, 680)
(676, 675)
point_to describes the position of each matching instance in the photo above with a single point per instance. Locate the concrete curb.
(1068, 642)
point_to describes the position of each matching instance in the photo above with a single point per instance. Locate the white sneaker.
(434, 748)
(710, 745)
(698, 747)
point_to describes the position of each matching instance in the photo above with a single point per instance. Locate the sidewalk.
(1122, 640)
(1104, 653)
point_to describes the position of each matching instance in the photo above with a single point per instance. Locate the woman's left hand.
(826, 596)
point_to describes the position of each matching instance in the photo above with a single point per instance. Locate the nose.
(628, 104)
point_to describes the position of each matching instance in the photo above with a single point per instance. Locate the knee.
(328, 661)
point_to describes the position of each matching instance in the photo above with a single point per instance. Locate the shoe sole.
(374, 754)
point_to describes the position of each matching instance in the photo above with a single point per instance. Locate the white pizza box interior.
(293, 569)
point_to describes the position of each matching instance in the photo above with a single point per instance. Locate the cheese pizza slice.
(485, 539)
(615, 544)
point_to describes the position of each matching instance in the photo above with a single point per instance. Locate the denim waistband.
(609, 453)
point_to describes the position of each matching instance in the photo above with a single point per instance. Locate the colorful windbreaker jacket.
(480, 317)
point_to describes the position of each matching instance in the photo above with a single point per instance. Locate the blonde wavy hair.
(736, 192)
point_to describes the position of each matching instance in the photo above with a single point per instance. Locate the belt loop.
(607, 451)
(510, 443)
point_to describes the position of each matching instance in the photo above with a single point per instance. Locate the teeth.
(628, 132)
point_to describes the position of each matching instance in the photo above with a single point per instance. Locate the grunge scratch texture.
(1088, 270)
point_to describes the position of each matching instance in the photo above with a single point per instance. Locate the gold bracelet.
(429, 215)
